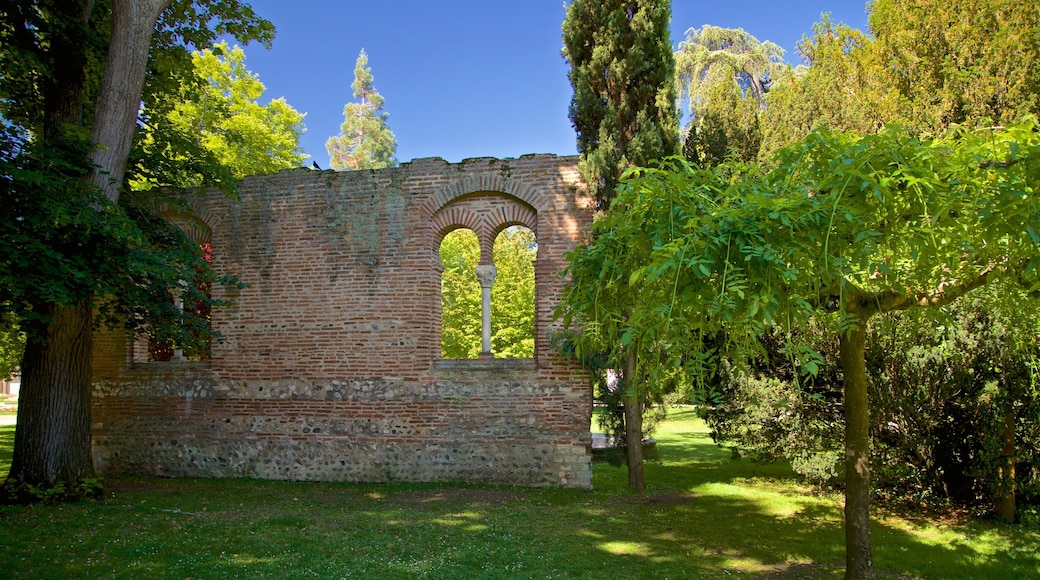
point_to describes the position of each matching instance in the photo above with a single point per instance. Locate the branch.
(946, 294)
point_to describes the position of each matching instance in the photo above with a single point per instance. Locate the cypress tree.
(622, 72)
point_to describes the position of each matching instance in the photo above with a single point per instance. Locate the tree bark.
(52, 435)
(633, 425)
(859, 559)
(1005, 504)
(121, 85)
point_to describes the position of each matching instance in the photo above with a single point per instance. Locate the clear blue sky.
(469, 78)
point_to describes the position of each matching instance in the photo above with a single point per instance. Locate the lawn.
(705, 515)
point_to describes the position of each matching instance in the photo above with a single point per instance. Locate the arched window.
(512, 296)
(460, 295)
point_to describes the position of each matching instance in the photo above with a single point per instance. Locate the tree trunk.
(1005, 504)
(52, 435)
(859, 560)
(120, 95)
(633, 425)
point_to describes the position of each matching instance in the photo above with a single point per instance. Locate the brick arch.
(471, 211)
(485, 183)
(197, 223)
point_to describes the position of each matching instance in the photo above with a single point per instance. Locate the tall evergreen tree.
(365, 140)
(623, 109)
(622, 73)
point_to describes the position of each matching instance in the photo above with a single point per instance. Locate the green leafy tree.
(512, 296)
(723, 75)
(460, 295)
(841, 229)
(365, 140)
(844, 86)
(219, 119)
(74, 77)
(622, 71)
(972, 61)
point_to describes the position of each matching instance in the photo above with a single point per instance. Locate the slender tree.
(622, 71)
(365, 140)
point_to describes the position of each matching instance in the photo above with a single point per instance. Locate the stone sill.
(491, 364)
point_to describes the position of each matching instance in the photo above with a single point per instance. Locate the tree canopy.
(220, 126)
(365, 140)
(842, 227)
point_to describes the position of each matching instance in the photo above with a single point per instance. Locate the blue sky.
(469, 78)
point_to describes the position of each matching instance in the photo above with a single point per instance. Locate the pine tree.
(365, 140)
(622, 73)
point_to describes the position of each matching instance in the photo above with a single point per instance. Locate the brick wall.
(330, 365)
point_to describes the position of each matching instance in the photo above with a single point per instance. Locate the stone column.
(486, 273)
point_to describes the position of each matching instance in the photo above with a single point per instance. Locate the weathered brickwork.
(330, 365)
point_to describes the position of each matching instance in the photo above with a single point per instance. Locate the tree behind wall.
(365, 140)
(623, 110)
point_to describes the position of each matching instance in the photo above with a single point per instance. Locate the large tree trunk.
(120, 96)
(633, 425)
(1005, 504)
(52, 436)
(859, 559)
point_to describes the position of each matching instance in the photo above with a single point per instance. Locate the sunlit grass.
(705, 515)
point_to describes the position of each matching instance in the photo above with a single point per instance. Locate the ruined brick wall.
(330, 365)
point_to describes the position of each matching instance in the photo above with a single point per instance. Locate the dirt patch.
(469, 496)
(660, 499)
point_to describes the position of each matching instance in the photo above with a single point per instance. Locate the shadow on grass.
(705, 516)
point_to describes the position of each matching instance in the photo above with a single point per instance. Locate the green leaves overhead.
(842, 223)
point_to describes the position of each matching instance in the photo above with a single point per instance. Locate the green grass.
(704, 516)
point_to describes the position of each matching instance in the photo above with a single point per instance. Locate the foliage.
(12, 343)
(845, 87)
(65, 247)
(841, 224)
(365, 141)
(767, 411)
(966, 62)
(943, 387)
(512, 295)
(623, 107)
(217, 115)
(460, 295)
(723, 75)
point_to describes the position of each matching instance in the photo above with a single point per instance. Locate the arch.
(487, 214)
(499, 183)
